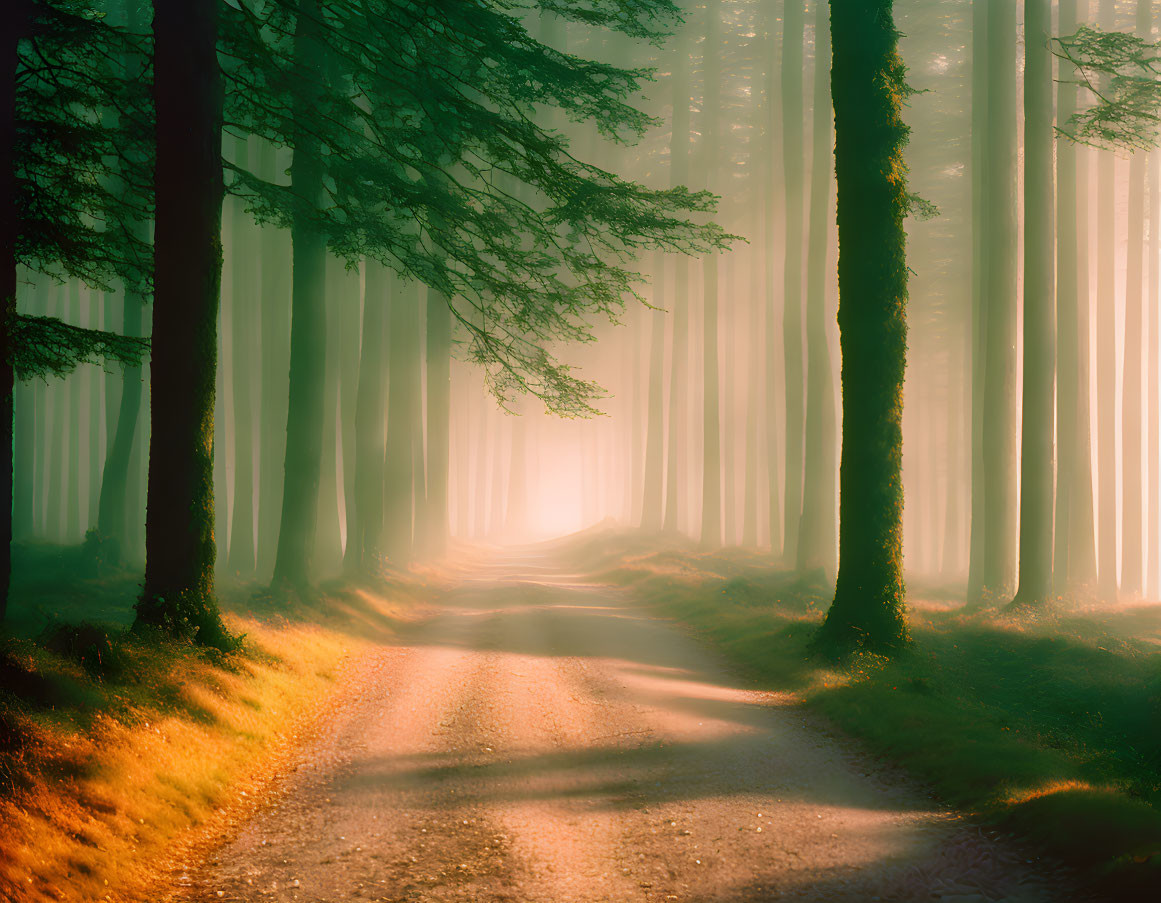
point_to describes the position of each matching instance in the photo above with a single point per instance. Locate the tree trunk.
(1037, 451)
(178, 595)
(308, 336)
(979, 309)
(439, 339)
(27, 417)
(274, 250)
(1132, 498)
(817, 538)
(1153, 442)
(365, 536)
(868, 90)
(71, 485)
(679, 354)
(1068, 295)
(16, 19)
(242, 558)
(654, 477)
(113, 510)
(711, 495)
(351, 319)
(1106, 359)
(792, 300)
(402, 395)
(999, 416)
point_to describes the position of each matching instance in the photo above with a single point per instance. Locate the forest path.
(540, 740)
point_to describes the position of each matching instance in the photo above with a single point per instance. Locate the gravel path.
(538, 740)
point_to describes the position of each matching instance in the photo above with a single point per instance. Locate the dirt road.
(539, 740)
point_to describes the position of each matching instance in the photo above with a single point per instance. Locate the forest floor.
(124, 755)
(542, 737)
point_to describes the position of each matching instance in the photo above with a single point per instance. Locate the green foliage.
(46, 346)
(1123, 71)
(82, 147)
(435, 164)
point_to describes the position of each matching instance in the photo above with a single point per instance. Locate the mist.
(434, 376)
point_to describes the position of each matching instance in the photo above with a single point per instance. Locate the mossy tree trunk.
(178, 595)
(868, 92)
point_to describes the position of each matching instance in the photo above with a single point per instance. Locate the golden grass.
(103, 804)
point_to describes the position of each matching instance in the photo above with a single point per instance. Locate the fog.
(719, 415)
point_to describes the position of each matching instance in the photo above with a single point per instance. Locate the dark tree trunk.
(308, 337)
(16, 21)
(178, 595)
(1037, 451)
(868, 91)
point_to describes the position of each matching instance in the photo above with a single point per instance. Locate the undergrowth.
(117, 747)
(1045, 723)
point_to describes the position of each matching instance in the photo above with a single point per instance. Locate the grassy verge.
(1044, 724)
(118, 749)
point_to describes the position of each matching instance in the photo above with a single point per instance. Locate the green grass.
(1046, 724)
(121, 750)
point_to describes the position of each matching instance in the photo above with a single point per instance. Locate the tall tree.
(439, 345)
(868, 91)
(711, 499)
(817, 539)
(1074, 560)
(1132, 490)
(652, 511)
(403, 400)
(65, 214)
(1106, 356)
(793, 29)
(243, 310)
(364, 541)
(999, 335)
(308, 320)
(178, 595)
(1152, 355)
(1037, 451)
(979, 214)
(676, 446)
